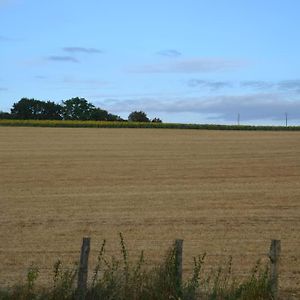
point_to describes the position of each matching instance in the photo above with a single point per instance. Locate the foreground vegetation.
(119, 279)
(126, 124)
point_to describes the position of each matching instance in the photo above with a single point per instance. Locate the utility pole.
(286, 119)
(238, 119)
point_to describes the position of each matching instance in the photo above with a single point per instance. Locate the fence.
(274, 257)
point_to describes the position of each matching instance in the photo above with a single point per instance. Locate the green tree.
(35, 110)
(24, 109)
(5, 115)
(112, 117)
(138, 116)
(51, 111)
(72, 109)
(156, 120)
(99, 114)
(77, 109)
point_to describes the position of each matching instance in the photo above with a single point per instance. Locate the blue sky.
(188, 61)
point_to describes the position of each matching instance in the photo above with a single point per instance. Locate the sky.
(188, 61)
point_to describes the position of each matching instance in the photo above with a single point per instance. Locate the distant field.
(223, 192)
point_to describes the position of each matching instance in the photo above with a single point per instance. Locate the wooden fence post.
(178, 265)
(274, 256)
(83, 269)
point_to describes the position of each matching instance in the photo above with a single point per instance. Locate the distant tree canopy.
(36, 110)
(138, 116)
(72, 109)
(77, 109)
(5, 115)
(156, 120)
(99, 114)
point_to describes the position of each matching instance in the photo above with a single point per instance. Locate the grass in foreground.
(118, 279)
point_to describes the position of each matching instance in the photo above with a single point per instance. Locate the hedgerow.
(126, 124)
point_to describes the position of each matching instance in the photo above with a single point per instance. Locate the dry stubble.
(223, 192)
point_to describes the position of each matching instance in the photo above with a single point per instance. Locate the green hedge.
(113, 124)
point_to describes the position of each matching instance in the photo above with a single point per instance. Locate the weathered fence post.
(178, 265)
(83, 269)
(274, 256)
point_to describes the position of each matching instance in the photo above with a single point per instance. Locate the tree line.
(72, 109)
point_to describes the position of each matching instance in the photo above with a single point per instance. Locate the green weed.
(122, 279)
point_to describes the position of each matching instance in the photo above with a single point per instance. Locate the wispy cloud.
(284, 85)
(40, 77)
(4, 39)
(211, 85)
(291, 85)
(2, 89)
(94, 83)
(62, 59)
(196, 65)
(260, 106)
(257, 84)
(169, 53)
(82, 50)
(261, 85)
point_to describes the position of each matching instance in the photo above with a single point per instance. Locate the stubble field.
(223, 192)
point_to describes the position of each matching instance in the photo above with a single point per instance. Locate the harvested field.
(223, 192)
